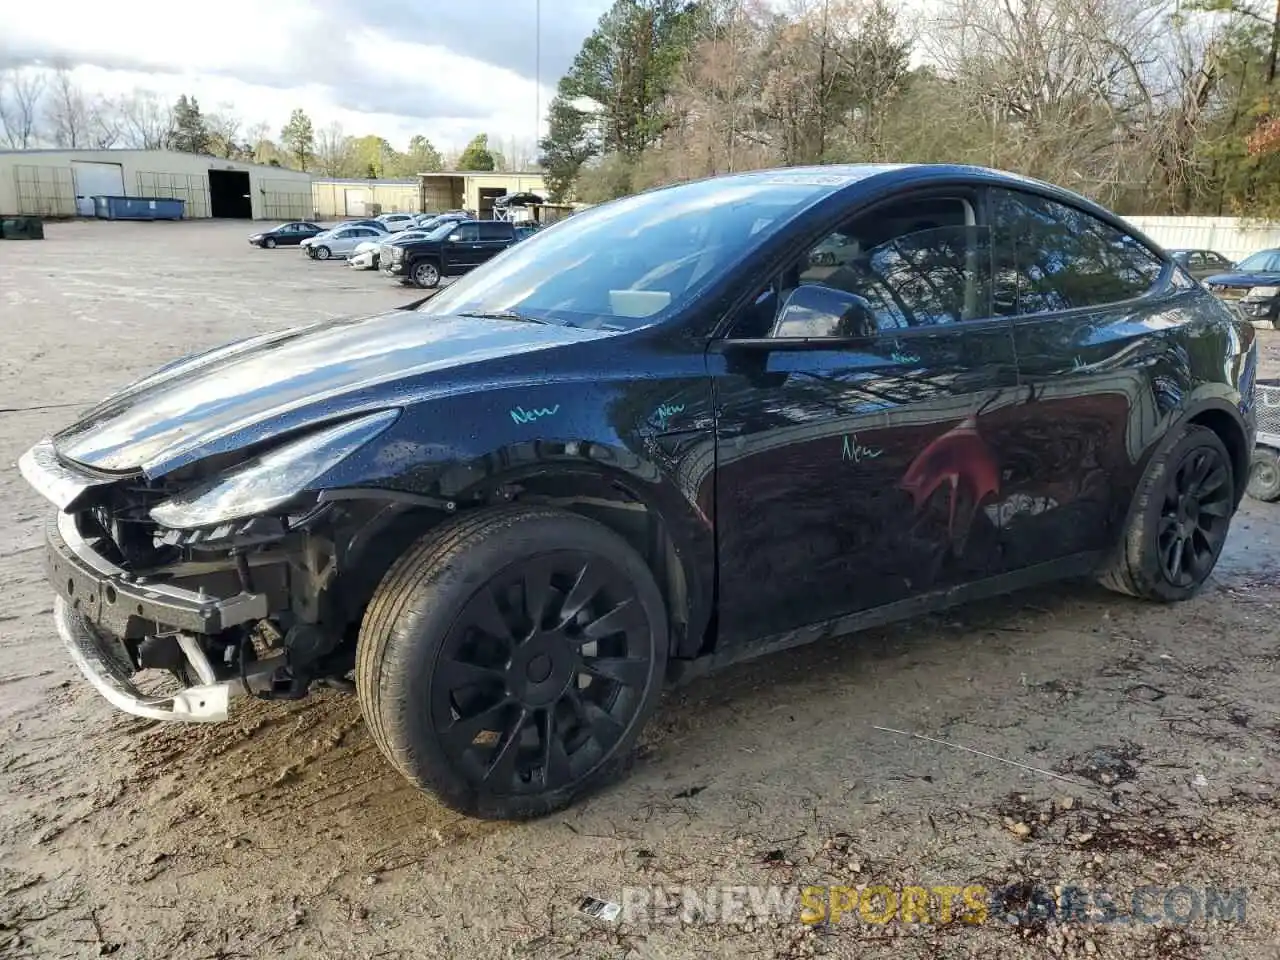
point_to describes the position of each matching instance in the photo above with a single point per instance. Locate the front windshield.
(635, 261)
(1257, 263)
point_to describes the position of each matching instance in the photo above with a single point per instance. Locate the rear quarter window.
(1051, 257)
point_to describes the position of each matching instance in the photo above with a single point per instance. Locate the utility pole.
(537, 75)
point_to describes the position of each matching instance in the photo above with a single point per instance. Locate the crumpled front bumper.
(99, 604)
(91, 652)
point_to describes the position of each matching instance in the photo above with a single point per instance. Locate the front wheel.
(426, 274)
(1178, 522)
(269, 243)
(322, 253)
(508, 661)
(1264, 475)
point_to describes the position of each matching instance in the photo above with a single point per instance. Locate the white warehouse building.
(63, 183)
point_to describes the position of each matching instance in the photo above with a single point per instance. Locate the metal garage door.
(354, 202)
(95, 180)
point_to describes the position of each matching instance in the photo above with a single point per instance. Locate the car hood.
(1244, 279)
(233, 396)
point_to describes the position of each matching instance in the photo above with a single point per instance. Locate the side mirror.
(812, 310)
(455, 237)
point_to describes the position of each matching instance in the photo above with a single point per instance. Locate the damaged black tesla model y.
(667, 433)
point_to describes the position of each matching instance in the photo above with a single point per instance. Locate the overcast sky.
(448, 69)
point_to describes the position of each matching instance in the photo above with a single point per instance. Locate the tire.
(269, 243)
(1193, 466)
(425, 274)
(320, 253)
(1264, 475)
(447, 643)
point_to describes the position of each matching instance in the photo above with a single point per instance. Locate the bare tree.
(334, 151)
(105, 123)
(1061, 89)
(146, 120)
(224, 129)
(68, 111)
(21, 92)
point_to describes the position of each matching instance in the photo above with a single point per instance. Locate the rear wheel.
(1264, 475)
(1178, 522)
(269, 243)
(426, 274)
(508, 661)
(322, 253)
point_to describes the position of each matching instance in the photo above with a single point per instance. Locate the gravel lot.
(1154, 733)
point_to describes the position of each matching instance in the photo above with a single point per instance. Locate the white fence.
(1230, 236)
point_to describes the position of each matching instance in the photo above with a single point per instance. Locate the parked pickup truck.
(448, 253)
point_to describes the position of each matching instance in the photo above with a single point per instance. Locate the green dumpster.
(21, 228)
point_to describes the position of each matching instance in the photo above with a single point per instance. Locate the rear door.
(852, 470)
(1087, 307)
(495, 236)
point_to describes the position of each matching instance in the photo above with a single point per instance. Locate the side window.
(907, 264)
(467, 233)
(495, 231)
(1195, 260)
(1049, 257)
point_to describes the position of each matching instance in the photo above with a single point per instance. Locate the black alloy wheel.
(508, 661)
(1197, 512)
(542, 673)
(1178, 519)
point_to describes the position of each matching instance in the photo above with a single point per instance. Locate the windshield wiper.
(504, 315)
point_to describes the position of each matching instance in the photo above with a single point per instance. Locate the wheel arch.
(628, 495)
(1225, 421)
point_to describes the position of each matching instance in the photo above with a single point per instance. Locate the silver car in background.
(338, 242)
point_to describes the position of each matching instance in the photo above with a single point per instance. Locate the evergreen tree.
(299, 138)
(477, 156)
(190, 133)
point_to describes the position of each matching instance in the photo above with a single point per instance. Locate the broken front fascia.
(100, 605)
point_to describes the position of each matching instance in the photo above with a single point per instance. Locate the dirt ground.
(1154, 733)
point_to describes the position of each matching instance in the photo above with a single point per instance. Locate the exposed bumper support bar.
(206, 702)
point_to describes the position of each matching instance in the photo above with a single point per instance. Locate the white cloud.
(448, 69)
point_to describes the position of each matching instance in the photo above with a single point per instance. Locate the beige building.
(475, 190)
(62, 183)
(333, 199)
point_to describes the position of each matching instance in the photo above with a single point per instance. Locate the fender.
(541, 468)
(1224, 417)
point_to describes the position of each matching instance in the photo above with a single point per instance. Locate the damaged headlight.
(272, 479)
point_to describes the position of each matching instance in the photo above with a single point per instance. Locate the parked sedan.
(429, 221)
(1254, 286)
(643, 444)
(395, 222)
(374, 224)
(286, 235)
(338, 242)
(365, 255)
(1202, 263)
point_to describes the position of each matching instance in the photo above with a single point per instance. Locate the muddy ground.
(1154, 733)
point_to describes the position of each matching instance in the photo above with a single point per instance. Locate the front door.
(852, 466)
(463, 253)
